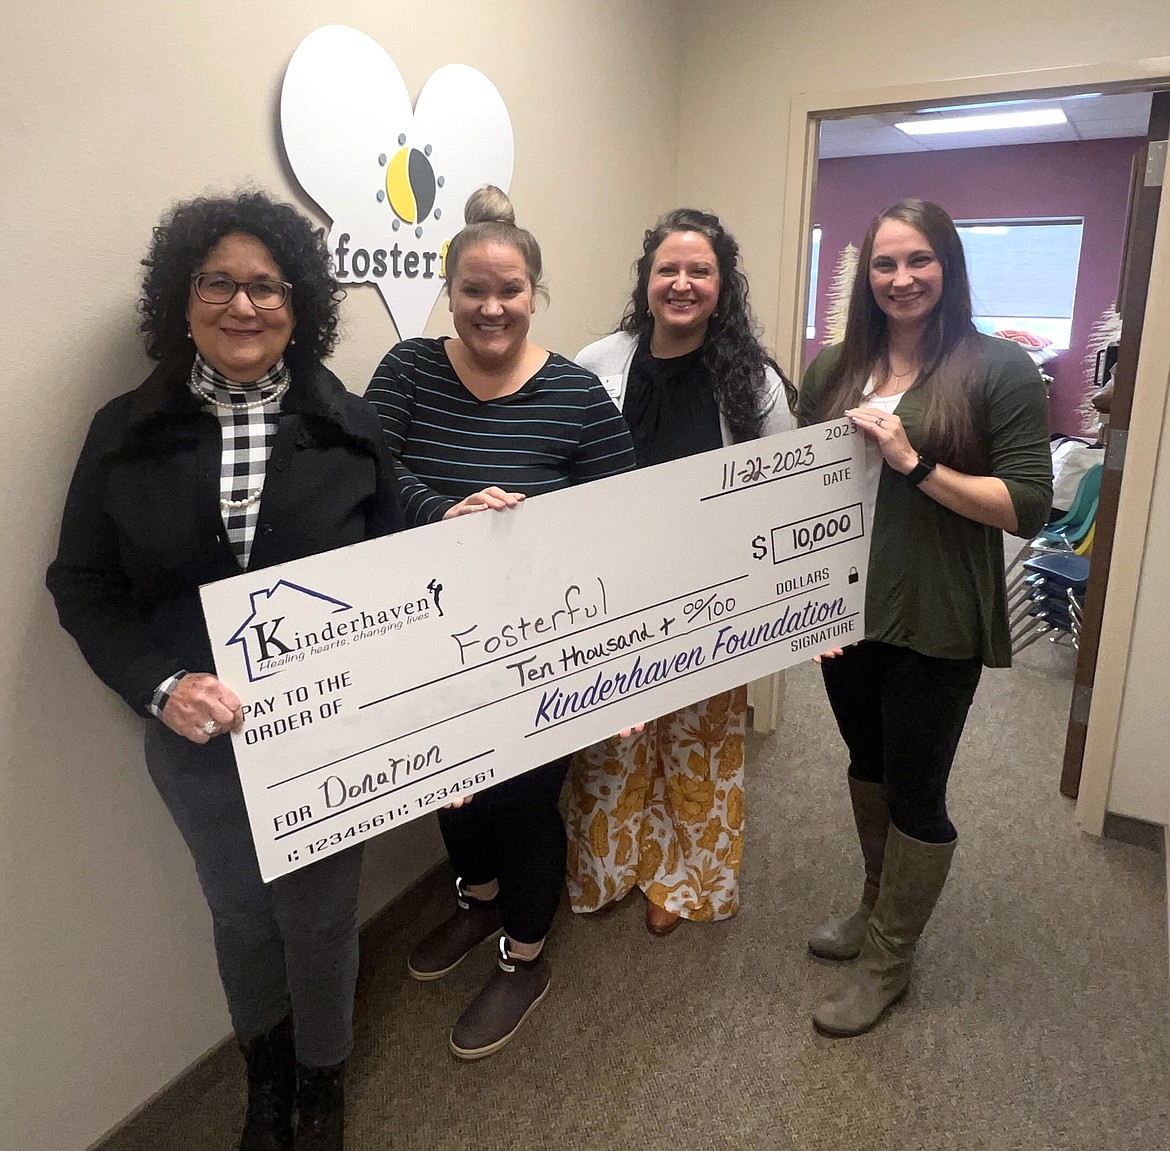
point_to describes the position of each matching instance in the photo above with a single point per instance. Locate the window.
(814, 263)
(1023, 274)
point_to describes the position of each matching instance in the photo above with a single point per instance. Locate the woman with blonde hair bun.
(459, 415)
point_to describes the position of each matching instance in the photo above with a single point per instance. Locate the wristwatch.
(920, 470)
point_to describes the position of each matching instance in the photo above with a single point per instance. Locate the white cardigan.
(610, 359)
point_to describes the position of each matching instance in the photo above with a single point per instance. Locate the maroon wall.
(1089, 179)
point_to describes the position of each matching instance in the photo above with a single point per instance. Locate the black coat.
(142, 527)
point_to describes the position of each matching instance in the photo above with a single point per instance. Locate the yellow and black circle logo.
(411, 185)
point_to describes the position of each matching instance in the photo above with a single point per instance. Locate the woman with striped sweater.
(476, 423)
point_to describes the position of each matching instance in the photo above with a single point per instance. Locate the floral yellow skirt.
(662, 810)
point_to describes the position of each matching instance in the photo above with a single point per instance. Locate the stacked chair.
(1047, 580)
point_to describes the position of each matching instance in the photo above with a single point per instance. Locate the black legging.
(514, 833)
(901, 715)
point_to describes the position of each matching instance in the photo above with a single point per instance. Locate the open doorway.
(1104, 140)
(1041, 210)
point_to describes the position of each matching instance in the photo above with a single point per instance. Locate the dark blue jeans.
(901, 715)
(288, 944)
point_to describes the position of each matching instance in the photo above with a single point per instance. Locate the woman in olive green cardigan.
(960, 422)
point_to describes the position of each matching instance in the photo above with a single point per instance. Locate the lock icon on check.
(853, 577)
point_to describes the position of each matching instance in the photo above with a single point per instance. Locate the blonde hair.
(489, 215)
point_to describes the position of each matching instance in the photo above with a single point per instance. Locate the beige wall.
(1140, 785)
(107, 980)
(747, 61)
(107, 985)
(1141, 779)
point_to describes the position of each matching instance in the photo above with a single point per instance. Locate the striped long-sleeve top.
(560, 428)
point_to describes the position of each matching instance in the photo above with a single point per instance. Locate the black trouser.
(291, 943)
(901, 715)
(514, 833)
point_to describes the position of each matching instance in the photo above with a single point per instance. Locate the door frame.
(1151, 389)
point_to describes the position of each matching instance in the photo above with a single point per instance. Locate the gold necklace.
(897, 377)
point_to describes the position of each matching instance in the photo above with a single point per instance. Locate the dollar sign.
(759, 548)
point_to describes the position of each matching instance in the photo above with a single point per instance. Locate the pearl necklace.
(253, 496)
(231, 406)
(248, 500)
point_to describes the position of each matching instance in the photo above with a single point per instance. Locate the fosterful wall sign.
(392, 178)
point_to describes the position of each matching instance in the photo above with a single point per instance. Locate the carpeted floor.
(1037, 1018)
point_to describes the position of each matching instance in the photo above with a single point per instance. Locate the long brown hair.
(950, 351)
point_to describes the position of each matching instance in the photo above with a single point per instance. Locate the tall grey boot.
(842, 938)
(913, 876)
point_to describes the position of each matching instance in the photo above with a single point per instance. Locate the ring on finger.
(210, 727)
(879, 421)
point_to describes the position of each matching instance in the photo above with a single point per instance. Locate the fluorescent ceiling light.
(1031, 118)
(1005, 103)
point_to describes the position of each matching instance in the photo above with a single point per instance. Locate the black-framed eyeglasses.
(216, 288)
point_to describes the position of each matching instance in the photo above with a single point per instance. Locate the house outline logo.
(266, 641)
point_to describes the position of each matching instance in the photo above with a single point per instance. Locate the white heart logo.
(392, 179)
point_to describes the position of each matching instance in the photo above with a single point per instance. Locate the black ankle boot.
(320, 1108)
(271, 1083)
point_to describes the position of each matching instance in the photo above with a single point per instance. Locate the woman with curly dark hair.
(663, 809)
(239, 451)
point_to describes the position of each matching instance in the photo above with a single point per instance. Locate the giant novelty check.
(384, 680)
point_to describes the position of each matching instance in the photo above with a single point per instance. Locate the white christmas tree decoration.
(839, 293)
(1106, 331)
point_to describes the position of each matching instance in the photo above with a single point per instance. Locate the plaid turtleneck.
(247, 415)
(248, 427)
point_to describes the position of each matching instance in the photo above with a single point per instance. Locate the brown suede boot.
(444, 948)
(842, 938)
(507, 999)
(913, 877)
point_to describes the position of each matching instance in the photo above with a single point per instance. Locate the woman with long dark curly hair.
(663, 809)
(239, 451)
(957, 426)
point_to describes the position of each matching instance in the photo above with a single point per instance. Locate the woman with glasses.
(239, 451)
(957, 424)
